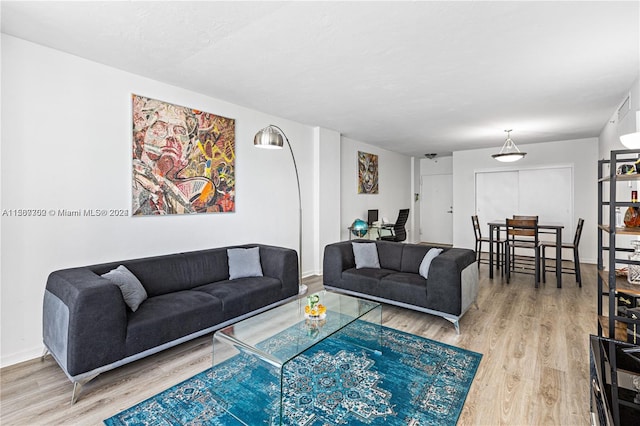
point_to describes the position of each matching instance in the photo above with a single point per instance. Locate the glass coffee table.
(279, 335)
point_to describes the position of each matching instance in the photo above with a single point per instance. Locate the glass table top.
(282, 333)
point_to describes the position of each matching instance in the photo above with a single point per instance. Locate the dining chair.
(515, 216)
(398, 231)
(499, 245)
(530, 217)
(575, 269)
(522, 234)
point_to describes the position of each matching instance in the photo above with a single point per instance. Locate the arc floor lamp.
(271, 137)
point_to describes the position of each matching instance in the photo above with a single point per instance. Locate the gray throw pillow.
(426, 261)
(366, 255)
(132, 290)
(244, 263)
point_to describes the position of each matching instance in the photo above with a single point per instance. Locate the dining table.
(495, 227)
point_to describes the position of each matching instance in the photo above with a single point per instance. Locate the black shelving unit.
(612, 326)
(612, 404)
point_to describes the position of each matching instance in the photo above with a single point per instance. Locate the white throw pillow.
(366, 255)
(244, 263)
(132, 290)
(426, 261)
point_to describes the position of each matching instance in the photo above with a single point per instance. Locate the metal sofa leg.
(76, 390)
(77, 387)
(456, 324)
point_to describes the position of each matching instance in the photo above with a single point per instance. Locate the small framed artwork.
(367, 173)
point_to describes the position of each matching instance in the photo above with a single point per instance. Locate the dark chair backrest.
(399, 227)
(576, 238)
(518, 228)
(476, 227)
(372, 216)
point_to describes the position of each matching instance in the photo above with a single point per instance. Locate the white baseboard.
(22, 356)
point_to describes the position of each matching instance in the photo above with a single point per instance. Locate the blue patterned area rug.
(415, 381)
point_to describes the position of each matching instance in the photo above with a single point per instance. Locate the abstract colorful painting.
(367, 173)
(183, 160)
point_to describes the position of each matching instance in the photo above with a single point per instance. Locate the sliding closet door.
(545, 192)
(496, 197)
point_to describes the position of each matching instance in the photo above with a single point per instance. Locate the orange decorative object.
(631, 218)
(314, 309)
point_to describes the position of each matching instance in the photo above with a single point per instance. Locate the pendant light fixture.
(632, 140)
(509, 151)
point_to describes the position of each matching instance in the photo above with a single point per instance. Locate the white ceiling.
(412, 77)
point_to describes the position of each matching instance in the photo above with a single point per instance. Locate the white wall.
(394, 186)
(66, 144)
(582, 154)
(327, 206)
(609, 139)
(437, 166)
(414, 218)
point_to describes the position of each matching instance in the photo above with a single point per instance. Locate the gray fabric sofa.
(450, 288)
(89, 329)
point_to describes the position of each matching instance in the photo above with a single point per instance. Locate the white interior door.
(436, 207)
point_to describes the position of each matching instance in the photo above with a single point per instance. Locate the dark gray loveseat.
(89, 329)
(451, 287)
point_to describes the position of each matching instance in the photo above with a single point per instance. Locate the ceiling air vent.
(624, 108)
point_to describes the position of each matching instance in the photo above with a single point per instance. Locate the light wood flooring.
(534, 370)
